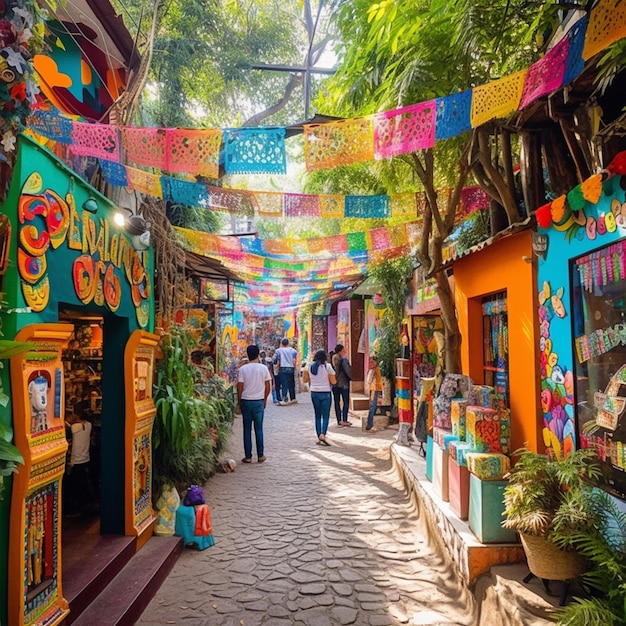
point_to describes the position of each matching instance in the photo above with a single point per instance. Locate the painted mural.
(582, 316)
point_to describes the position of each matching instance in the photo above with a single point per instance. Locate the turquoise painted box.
(429, 457)
(486, 506)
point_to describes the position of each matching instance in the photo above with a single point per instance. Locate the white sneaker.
(294, 401)
(281, 403)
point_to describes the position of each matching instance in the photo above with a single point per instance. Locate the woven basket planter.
(548, 561)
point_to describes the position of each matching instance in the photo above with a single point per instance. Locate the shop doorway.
(83, 369)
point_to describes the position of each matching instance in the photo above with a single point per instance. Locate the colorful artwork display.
(582, 322)
(64, 230)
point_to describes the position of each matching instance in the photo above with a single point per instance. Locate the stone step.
(125, 598)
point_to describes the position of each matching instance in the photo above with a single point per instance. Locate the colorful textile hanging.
(332, 206)
(97, 140)
(194, 152)
(270, 203)
(367, 206)
(51, 125)
(575, 63)
(301, 204)
(473, 199)
(254, 151)
(232, 200)
(498, 98)
(184, 192)
(607, 24)
(380, 239)
(114, 173)
(404, 130)
(145, 146)
(546, 75)
(144, 182)
(338, 143)
(453, 115)
(403, 205)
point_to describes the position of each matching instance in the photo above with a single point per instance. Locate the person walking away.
(286, 356)
(254, 385)
(375, 385)
(268, 361)
(80, 487)
(341, 390)
(322, 379)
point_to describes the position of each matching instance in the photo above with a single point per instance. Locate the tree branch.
(295, 80)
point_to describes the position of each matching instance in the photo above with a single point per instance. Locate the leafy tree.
(392, 276)
(201, 57)
(403, 52)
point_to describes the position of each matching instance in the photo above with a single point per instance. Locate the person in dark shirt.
(341, 390)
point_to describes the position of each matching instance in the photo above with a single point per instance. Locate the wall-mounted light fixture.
(119, 219)
(139, 230)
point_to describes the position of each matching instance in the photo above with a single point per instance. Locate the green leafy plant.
(194, 415)
(392, 276)
(604, 547)
(546, 496)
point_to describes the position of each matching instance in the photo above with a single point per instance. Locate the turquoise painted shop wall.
(119, 324)
(566, 242)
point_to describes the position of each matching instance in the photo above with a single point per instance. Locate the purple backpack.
(194, 496)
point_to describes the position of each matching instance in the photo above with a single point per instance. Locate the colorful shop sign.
(66, 238)
(582, 315)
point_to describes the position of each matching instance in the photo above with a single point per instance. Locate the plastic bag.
(167, 505)
(194, 496)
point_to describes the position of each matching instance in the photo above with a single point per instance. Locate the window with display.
(598, 306)
(496, 344)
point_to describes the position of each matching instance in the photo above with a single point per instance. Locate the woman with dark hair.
(322, 379)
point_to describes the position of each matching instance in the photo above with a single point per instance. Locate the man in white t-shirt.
(287, 356)
(254, 385)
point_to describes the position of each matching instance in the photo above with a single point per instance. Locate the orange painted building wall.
(501, 267)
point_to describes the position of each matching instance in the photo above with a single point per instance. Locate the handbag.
(306, 376)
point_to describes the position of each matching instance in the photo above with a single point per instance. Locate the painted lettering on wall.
(106, 256)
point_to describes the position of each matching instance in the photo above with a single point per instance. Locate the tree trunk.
(452, 333)
(559, 162)
(531, 171)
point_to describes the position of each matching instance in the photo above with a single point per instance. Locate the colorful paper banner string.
(254, 151)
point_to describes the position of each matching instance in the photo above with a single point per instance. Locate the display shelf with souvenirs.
(82, 364)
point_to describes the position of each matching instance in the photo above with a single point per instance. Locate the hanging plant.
(21, 36)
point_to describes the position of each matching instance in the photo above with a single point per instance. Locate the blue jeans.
(287, 383)
(252, 413)
(339, 394)
(321, 405)
(373, 407)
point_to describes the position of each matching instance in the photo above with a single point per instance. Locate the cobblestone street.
(315, 535)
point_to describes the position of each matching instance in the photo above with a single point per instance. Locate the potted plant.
(546, 502)
(604, 547)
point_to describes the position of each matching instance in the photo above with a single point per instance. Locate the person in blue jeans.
(375, 384)
(254, 385)
(322, 379)
(341, 390)
(286, 357)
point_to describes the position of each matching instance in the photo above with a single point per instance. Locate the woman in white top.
(322, 379)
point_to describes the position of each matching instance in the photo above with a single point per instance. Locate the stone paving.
(314, 536)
